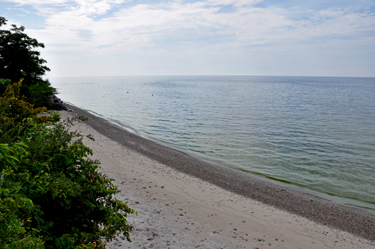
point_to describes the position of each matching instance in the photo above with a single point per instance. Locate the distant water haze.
(314, 133)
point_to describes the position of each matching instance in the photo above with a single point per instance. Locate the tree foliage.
(20, 58)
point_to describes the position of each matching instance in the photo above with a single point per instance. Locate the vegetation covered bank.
(52, 194)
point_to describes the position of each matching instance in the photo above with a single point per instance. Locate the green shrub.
(51, 189)
(15, 208)
(64, 181)
(15, 110)
(15, 107)
(40, 93)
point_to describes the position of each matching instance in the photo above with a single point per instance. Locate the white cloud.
(249, 25)
(94, 7)
(39, 2)
(233, 2)
(141, 25)
(209, 28)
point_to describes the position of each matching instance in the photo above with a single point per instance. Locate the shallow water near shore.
(312, 132)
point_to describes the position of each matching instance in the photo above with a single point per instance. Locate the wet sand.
(185, 202)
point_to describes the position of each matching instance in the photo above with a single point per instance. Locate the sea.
(316, 134)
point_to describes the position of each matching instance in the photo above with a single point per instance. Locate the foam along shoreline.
(229, 182)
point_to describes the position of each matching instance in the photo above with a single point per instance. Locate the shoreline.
(349, 219)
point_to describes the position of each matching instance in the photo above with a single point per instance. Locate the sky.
(200, 37)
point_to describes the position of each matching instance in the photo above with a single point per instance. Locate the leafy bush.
(54, 182)
(15, 110)
(69, 184)
(40, 93)
(15, 209)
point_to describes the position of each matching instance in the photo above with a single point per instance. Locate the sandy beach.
(184, 202)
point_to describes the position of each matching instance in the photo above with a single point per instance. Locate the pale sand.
(180, 211)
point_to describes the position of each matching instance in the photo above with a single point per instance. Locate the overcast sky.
(201, 37)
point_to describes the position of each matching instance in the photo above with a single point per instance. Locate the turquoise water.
(311, 132)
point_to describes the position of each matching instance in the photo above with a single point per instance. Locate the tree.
(19, 59)
(2, 20)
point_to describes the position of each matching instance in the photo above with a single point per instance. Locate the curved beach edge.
(349, 219)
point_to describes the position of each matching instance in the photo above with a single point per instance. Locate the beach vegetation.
(53, 194)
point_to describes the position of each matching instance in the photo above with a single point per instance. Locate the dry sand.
(177, 210)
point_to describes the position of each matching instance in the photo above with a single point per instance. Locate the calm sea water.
(313, 133)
